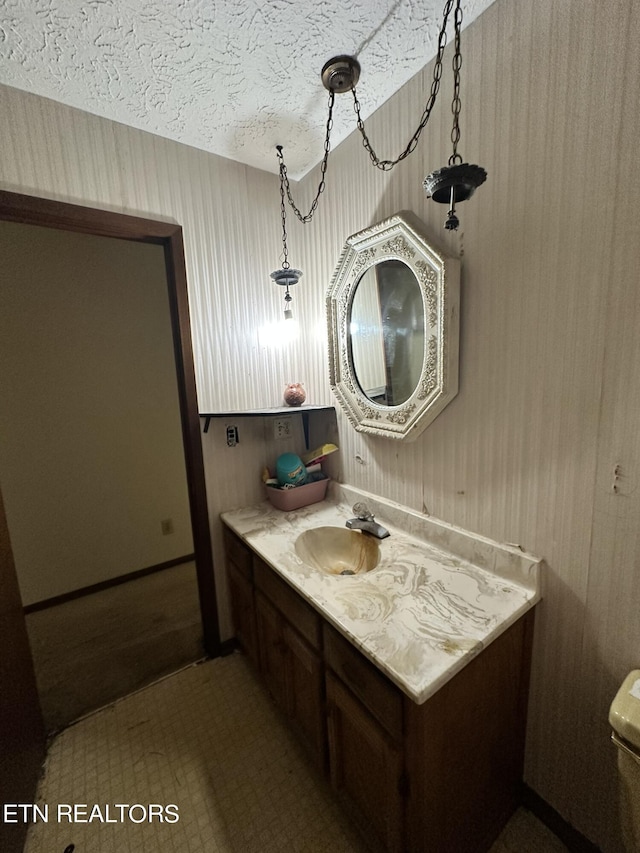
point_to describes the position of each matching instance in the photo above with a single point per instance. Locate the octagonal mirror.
(393, 329)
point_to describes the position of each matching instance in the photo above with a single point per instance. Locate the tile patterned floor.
(208, 740)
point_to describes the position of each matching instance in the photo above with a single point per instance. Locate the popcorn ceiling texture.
(233, 78)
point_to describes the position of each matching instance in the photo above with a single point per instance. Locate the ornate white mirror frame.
(397, 239)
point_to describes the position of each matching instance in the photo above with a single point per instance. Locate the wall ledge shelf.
(269, 412)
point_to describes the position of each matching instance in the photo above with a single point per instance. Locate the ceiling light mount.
(286, 277)
(451, 184)
(341, 74)
(464, 178)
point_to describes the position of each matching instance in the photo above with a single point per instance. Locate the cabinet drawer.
(381, 698)
(300, 614)
(239, 553)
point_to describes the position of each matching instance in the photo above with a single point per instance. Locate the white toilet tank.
(624, 718)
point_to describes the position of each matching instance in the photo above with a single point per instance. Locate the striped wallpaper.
(548, 406)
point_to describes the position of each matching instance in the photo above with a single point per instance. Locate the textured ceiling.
(234, 77)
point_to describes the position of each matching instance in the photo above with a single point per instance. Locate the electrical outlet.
(166, 526)
(232, 436)
(282, 428)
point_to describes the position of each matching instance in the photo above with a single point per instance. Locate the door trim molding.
(31, 210)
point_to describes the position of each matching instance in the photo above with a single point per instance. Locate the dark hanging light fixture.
(456, 181)
(286, 277)
(451, 184)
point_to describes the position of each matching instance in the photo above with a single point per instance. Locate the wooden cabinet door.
(273, 656)
(243, 612)
(365, 765)
(293, 674)
(465, 749)
(305, 694)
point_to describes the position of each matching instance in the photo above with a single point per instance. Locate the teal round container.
(290, 470)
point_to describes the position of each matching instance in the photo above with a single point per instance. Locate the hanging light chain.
(284, 180)
(387, 165)
(459, 180)
(283, 211)
(456, 103)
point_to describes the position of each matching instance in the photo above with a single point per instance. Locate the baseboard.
(98, 587)
(227, 647)
(570, 837)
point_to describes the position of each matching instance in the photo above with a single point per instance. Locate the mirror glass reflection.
(387, 333)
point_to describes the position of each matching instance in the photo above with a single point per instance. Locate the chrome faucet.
(365, 521)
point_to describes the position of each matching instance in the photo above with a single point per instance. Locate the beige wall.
(91, 454)
(548, 403)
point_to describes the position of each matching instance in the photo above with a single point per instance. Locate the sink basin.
(338, 551)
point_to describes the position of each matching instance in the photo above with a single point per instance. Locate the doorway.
(165, 239)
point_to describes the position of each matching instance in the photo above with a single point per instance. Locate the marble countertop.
(438, 596)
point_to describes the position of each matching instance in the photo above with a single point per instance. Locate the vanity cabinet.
(273, 649)
(440, 777)
(240, 578)
(305, 697)
(366, 750)
(281, 635)
(465, 762)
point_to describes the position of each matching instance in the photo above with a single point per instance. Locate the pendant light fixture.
(285, 277)
(456, 181)
(453, 183)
